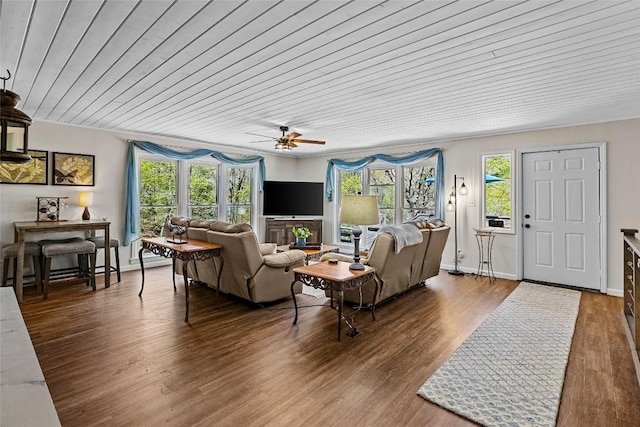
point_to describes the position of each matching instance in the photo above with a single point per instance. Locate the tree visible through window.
(497, 190)
(203, 191)
(238, 195)
(158, 198)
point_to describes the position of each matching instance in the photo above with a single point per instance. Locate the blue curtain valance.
(357, 165)
(132, 193)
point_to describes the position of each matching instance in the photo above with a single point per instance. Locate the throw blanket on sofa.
(404, 235)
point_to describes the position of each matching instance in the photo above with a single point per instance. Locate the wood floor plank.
(111, 358)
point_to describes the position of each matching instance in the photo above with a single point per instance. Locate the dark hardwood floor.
(113, 359)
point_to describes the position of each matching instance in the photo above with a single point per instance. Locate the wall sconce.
(14, 124)
(86, 200)
(452, 206)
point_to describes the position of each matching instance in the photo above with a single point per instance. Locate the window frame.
(368, 235)
(182, 192)
(483, 216)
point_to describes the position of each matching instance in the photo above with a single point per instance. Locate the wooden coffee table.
(334, 277)
(312, 253)
(192, 250)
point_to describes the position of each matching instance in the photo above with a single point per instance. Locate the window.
(203, 191)
(402, 192)
(419, 192)
(239, 195)
(158, 195)
(497, 197)
(194, 189)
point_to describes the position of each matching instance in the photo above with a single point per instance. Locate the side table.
(334, 277)
(192, 250)
(484, 238)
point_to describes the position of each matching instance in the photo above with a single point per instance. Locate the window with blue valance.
(132, 193)
(356, 165)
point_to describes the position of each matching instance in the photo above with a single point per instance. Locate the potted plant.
(301, 234)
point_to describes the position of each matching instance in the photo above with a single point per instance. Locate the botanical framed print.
(73, 169)
(32, 172)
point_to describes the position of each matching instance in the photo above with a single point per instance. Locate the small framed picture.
(73, 169)
(32, 172)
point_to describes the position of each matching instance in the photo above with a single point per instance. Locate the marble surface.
(24, 395)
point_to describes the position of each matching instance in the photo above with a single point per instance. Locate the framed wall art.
(32, 172)
(73, 169)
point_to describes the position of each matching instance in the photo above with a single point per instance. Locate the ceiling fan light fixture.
(282, 146)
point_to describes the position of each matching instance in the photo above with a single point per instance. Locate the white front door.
(561, 217)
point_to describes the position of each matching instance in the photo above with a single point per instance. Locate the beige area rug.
(510, 371)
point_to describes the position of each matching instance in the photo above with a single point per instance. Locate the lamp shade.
(86, 198)
(359, 210)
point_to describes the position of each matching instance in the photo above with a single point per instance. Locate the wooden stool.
(113, 243)
(74, 246)
(11, 251)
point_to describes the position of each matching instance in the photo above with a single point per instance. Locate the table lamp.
(86, 200)
(358, 210)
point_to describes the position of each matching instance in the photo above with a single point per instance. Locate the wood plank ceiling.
(356, 74)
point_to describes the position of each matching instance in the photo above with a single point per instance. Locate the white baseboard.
(474, 271)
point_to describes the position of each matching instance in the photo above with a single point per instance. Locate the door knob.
(527, 226)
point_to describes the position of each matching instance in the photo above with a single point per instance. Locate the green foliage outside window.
(498, 193)
(238, 195)
(157, 195)
(203, 191)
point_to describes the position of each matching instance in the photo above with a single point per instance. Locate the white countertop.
(24, 395)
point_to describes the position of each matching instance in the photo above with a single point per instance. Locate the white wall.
(463, 158)
(18, 201)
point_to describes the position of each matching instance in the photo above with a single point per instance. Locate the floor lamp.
(358, 210)
(452, 206)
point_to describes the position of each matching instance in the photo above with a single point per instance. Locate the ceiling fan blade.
(292, 145)
(308, 141)
(272, 138)
(293, 135)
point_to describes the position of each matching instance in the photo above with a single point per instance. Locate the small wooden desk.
(193, 250)
(334, 277)
(27, 227)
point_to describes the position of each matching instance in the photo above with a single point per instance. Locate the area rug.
(510, 371)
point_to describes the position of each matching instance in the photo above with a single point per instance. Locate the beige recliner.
(253, 271)
(398, 272)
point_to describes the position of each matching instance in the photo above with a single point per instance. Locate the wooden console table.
(193, 250)
(334, 277)
(31, 227)
(279, 230)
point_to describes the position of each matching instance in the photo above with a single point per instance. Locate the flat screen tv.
(289, 198)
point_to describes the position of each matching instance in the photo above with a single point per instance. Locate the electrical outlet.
(471, 203)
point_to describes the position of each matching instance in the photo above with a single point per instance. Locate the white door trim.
(601, 146)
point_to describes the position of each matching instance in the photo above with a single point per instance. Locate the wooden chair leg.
(92, 270)
(47, 270)
(15, 269)
(5, 271)
(37, 269)
(117, 254)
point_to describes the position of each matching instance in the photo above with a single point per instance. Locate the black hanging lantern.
(15, 127)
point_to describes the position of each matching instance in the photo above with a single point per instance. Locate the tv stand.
(279, 230)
